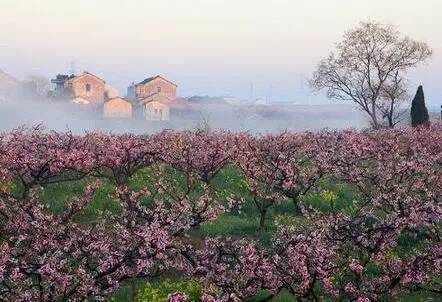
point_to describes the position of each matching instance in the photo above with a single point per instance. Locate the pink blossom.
(177, 297)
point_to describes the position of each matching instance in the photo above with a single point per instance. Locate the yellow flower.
(329, 196)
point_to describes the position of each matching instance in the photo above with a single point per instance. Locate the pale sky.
(208, 47)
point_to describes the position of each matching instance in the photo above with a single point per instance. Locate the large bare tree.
(369, 69)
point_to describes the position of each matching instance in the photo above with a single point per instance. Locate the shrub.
(160, 293)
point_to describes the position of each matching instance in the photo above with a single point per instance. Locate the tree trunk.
(391, 114)
(374, 117)
(262, 219)
(133, 289)
(390, 122)
(296, 204)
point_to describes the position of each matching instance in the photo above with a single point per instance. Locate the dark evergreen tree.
(419, 112)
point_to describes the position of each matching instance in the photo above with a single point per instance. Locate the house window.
(161, 113)
(88, 87)
(158, 89)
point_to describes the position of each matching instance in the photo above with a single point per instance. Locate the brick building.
(157, 111)
(156, 96)
(117, 108)
(87, 87)
(155, 86)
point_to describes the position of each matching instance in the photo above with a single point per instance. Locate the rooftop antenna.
(73, 68)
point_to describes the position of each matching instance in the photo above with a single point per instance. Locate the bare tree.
(369, 69)
(41, 83)
(204, 124)
(392, 99)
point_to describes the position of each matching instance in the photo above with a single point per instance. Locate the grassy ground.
(229, 182)
(242, 224)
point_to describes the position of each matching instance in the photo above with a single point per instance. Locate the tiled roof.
(86, 73)
(176, 103)
(145, 81)
(118, 98)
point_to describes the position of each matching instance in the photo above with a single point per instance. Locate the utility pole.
(73, 68)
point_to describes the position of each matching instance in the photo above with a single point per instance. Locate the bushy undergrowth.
(161, 292)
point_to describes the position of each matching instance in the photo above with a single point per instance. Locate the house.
(110, 92)
(157, 111)
(161, 108)
(117, 107)
(87, 86)
(155, 86)
(156, 96)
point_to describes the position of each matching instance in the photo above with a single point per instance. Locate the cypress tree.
(419, 112)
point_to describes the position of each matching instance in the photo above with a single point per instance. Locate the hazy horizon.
(207, 47)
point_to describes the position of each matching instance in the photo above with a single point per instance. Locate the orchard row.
(355, 254)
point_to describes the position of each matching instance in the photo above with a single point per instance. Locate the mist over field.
(256, 119)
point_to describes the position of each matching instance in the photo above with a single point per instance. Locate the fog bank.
(63, 116)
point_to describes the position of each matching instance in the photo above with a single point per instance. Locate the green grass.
(58, 195)
(230, 225)
(239, 224)
(228, 183)
(128, 290)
